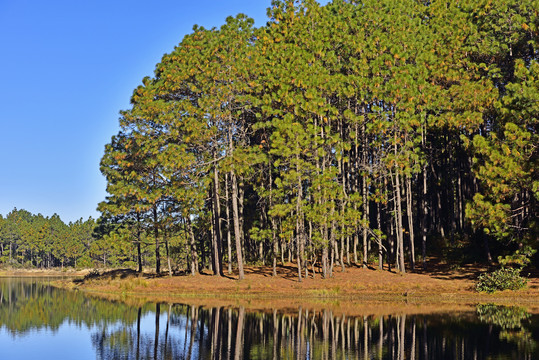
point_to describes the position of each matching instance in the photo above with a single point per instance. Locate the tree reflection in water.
(176, 331)
(194, 332)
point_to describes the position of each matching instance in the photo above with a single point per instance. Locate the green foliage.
(501, 279)
(507, 317)
(519, 259)
(85, 262)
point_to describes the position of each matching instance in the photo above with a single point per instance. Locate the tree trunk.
(168, 254)
(424, 217)
(193, 247)
(241, 198)
(398, 224)
(410, 219)
(364, 194)
(380, 249)
(273, 223)
(325, 262)
(156, 234)
(299, 219)
(237, 235)
(216, 238)
(228, 233)
(139, 250)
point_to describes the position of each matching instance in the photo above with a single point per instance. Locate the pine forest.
(359, 133)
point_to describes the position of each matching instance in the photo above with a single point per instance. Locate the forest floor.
(441, 287)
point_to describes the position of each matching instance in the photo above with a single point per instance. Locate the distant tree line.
(35, 241)
(43, 242)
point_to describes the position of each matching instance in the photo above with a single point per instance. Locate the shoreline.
(353, 288)
(4, 273)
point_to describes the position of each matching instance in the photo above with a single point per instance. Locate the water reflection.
(176, 331)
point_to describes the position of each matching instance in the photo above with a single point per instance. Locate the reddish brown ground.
(439, 288)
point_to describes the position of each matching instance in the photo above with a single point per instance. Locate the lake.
(40, 321)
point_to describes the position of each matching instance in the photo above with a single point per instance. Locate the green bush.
(501, 279)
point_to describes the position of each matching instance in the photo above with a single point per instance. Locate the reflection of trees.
(228, 333)
(510, 319)
(174, 331)
(27, 304)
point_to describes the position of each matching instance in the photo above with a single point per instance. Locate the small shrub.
(501, 279)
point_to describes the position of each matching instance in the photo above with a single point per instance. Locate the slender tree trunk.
(228, 233)
(325, 262)
(193, 247)
(202, 253)
(168, 254)
(263, 223)
(348, 261)
(400, 235)
(156, 234)
(380, 249)
(332, 242)
(343, 208)
(341, 257)
(364, 193)
(356, 188)
(299, 219)
(273, 223)
(139, 250)
(398, 212)
(460, 199)
(410, 219)
(235, 208)
(216, 244)
(237, 235)
(241, 201)
(424, 217)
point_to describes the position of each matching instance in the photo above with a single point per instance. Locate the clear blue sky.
(66, 69)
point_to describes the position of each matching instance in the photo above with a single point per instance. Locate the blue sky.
(66, 69)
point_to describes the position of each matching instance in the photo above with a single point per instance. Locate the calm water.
(40, 322)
